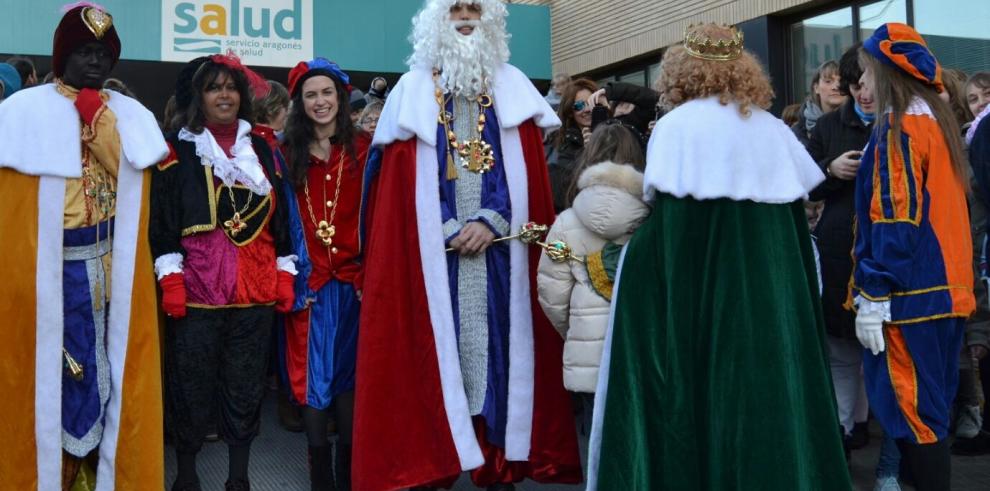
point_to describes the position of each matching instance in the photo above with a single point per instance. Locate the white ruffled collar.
(244, 167)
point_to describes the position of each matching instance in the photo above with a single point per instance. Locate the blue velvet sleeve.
(890, 206)
(298, 239)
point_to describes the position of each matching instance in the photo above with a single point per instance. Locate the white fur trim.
(49, 332)
(434, 263)
(28, 116)
(288, 264)
(130, 184)
(411, 108)
(410, 111)
(140, 137)
(621, 176)
(519, 421)
(518, 101)
(167, 264)
(243, 167)
(706, 150)
(39, 133)
(601, 391)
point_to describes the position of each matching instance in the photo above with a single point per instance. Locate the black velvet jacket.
(187, 199)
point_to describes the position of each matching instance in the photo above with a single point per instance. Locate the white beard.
(467, 62)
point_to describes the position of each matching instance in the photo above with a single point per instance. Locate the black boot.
(320, 470)
(930, 464)
(342, 467)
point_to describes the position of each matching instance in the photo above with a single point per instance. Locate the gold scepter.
(558, 251)
(529, 233)
(532, 233)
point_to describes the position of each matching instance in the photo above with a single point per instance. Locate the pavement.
(278, 463)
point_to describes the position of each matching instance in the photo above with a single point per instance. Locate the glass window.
(653, 73)
(874, 15)
(635, 78)
(956, 31)
(817, 40)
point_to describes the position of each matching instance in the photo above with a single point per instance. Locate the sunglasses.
(580, 106)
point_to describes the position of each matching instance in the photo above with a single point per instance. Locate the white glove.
(869, 330)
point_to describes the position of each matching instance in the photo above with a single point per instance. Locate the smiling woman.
(223, 259)
(327, 157)
(220, 95)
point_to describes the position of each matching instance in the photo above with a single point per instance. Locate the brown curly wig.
(684, 77)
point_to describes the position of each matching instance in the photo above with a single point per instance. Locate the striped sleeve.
(897, 181)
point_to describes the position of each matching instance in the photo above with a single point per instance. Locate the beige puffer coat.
(608, 208)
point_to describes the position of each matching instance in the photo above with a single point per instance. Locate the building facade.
(368, 38)
(624, 39)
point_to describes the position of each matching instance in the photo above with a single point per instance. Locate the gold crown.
(701, 46)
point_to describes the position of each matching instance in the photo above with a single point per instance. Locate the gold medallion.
(476, 156)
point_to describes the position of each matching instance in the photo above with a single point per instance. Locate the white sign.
(261, 32)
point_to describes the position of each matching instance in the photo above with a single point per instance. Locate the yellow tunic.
(92, 199)
(135, 452)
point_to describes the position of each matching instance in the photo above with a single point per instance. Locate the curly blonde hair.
(684, 77)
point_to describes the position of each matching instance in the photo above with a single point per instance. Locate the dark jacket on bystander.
(836, 133)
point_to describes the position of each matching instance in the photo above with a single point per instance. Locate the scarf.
(811, 114)
(867, 119)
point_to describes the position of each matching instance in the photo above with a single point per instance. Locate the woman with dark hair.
(565, 144)
(913, 273)
(223, 259)
(326, 155)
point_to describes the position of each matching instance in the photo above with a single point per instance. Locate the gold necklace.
(325, 229)
(236, 224)
(476, 154)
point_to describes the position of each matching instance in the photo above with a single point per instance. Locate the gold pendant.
(235, 225)
(476, 156)
(75, 369)
(325, 232)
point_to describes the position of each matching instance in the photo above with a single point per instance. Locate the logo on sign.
(261, 32)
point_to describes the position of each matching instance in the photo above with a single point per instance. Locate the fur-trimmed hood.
(607, 173)
(609, 202)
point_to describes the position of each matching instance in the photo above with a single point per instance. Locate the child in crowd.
(607, 207)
